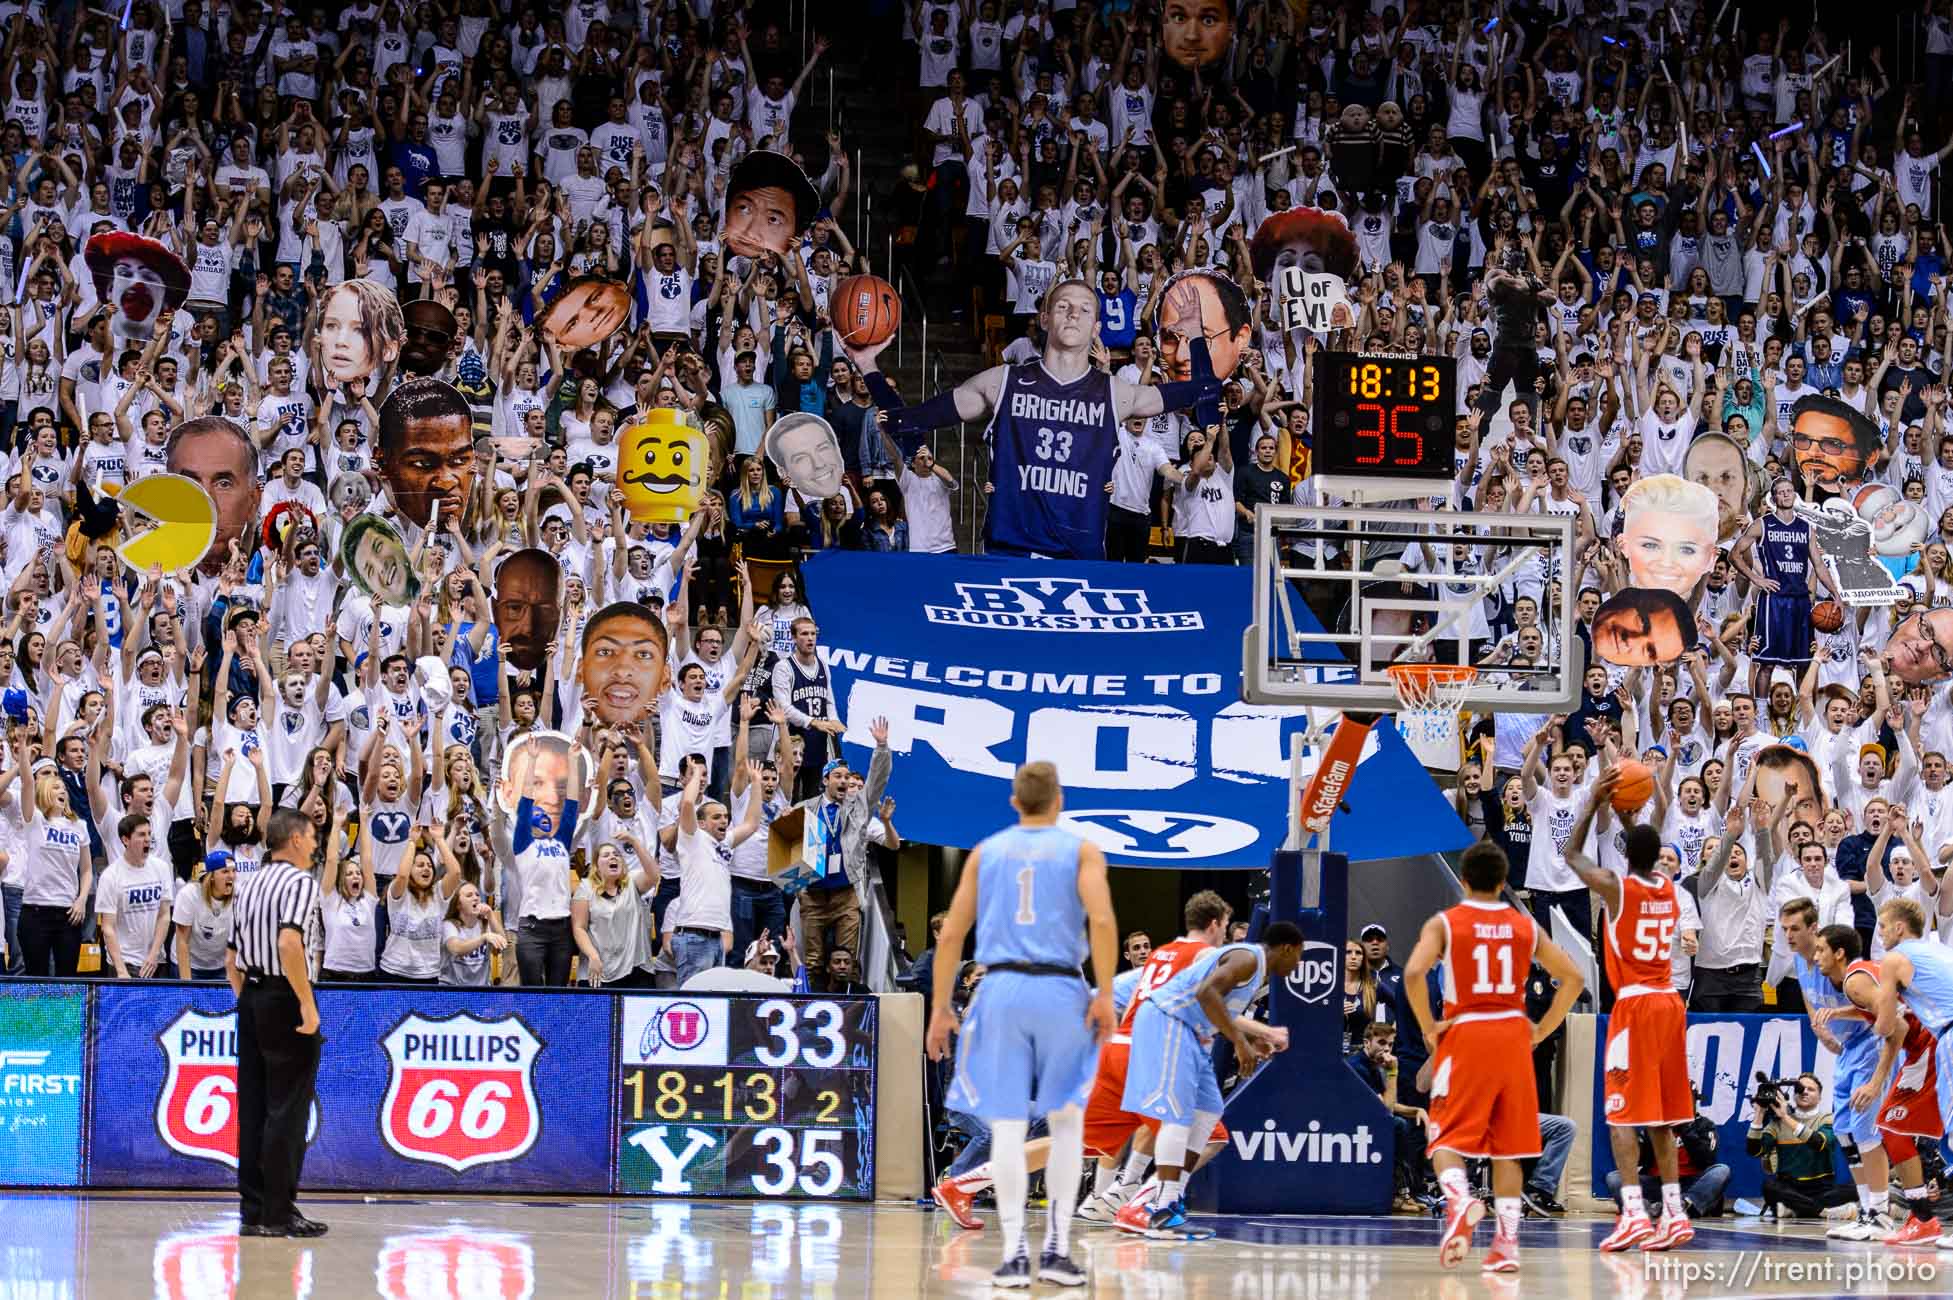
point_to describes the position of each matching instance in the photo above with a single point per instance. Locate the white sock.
(1007, 1163)
(1455, 1184)
(1061, 1170)
(1864, 1196)
(1671, 1201)
(1882, 1202)
(1135, 1170)
(1631, 1199)
(1915, 1198)
(1104, 1178)
(1169, 1193)
(1507, 1208)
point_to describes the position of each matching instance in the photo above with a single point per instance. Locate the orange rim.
(1422, 685)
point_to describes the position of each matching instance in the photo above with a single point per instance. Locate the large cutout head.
(371, 550)
(430, 336)
(1639, 627)
(1203, 304)
(361, 330)
(136, 277)
(623, 665)
(1716, 462)
(769, 201)
(1786, 777)
(1920, 648)
(550, 765)
(661, 468)
(587, 313)
(1309, 238)
(1898, 525)
(1668, 533)
(426, 449)
(528, 605)
(221, 459)
(807, 454)
(1196, 34)
(1833, 444)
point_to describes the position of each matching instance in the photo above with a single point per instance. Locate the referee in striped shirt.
(275, 924)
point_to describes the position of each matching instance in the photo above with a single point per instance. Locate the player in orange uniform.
(1647, 1064)
(1911, 1109)
(1108, 1124)
(1483, 1099)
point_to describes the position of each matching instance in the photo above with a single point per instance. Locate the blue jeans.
(692, 953)
(977, 1149)
(10, 896)
(1701, 1193)
(1556, 1144)
(757, 906)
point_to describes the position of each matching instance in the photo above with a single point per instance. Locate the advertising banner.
(1127, 676)
(1726, 1052)
(42, 1033)
(416, 1089)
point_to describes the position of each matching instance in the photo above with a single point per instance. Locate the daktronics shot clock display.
(745, 1096)
(1385, 416)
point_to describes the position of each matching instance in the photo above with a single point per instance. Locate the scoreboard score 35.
(1385, 417)
(747, 1096)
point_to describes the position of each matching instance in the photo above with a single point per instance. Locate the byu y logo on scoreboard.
(1059, 605)
(1143, 833)
(461, 1090)
(1315, 975)
(196, 1108)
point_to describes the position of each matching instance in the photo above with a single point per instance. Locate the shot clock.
(1384, 417)
(745, 1096)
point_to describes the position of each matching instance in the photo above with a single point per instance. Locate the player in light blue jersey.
(1822, 960)
(1918, 972)
(1029, 1041)
(1170, 1073)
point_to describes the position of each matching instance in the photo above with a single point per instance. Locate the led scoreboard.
(747, 1096)
(1389, 417)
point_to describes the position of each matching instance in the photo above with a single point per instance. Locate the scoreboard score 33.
(747, 1096)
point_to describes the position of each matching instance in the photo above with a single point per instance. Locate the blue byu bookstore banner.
(1125, 675)
(1725, 1052)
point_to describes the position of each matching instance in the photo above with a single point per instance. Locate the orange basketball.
(1827, 616)
(1637, 785)
(866, 310)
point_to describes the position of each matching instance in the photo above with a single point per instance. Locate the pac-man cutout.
(185, 522)
(661, 470)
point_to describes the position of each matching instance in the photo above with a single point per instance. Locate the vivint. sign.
(1313, 301)
(1127, 676)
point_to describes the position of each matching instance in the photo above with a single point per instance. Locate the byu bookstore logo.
(1315, 975)
(1058, 605)
(461, 1090)
(1140, 833)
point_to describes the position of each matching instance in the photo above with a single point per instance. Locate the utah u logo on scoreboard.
(461, 1090)
(196, 1109)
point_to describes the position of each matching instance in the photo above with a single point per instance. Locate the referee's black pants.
(276, 1068)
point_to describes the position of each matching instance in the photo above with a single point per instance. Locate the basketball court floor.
(185, 1247)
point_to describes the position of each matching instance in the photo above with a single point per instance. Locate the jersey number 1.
(1026, 914)
(1483, 984)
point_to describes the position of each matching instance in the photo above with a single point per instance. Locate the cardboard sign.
(1317, 302)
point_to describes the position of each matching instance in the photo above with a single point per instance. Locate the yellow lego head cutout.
(661, 467)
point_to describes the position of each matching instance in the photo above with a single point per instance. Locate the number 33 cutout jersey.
(1053, 445)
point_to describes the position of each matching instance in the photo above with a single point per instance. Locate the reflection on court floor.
(58, 1247)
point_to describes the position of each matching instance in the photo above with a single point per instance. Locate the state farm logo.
(460, 1090)
(677, 1027)
(196, 1109)
(456, 1262)
(1315, 975)
(1059, 605)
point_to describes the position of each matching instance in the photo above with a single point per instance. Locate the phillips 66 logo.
(196, 1110)
(461, 1091)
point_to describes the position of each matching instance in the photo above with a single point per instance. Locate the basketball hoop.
(1431, 690)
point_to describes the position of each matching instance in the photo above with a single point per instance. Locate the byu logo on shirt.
(391, 827)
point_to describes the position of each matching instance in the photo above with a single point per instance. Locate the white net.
(1429, 697)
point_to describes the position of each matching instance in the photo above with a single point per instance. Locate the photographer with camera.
(1790, 1132)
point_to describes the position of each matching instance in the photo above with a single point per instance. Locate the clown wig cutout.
(1309, 238)
(135, 277)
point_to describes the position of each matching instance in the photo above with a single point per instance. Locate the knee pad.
(1898, 1147)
